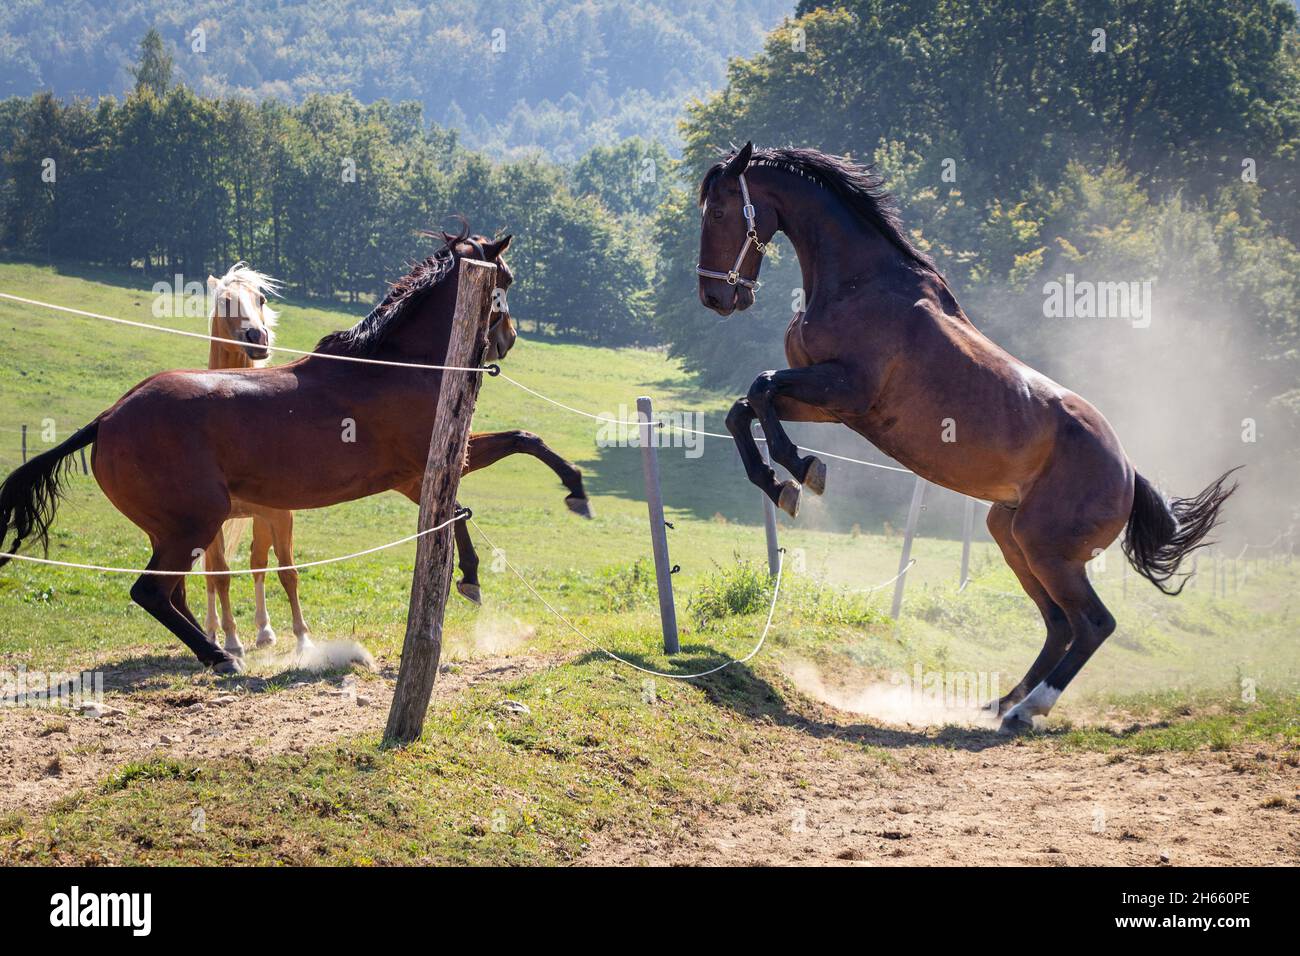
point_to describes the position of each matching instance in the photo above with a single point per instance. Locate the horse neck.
(423, 336)
(835, 247)
(225, 355)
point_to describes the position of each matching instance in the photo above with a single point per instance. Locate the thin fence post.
(448, 442)
(769, 521)
(967, 530)
(658, 533)
(913, 515)
(24, 444)
(85, 469)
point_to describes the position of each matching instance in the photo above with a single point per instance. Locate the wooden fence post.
(448, 442)
(769, 521)
(24, 444)
(913, 515)
(967, 530)
(658, 531)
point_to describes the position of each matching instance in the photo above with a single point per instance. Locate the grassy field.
(595, 752)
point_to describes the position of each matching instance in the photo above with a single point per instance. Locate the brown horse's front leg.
(739, 420)
(487, 448)
(797, 395)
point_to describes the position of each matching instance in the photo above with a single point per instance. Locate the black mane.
(364, 339)
(860, 187)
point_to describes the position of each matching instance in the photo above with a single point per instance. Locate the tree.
(154, 71)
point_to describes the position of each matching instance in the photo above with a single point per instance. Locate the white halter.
(751, 239)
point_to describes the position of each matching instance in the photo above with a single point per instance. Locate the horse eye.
(261, 300)
(717, 214)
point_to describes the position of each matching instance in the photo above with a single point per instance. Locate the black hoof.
(470, 591)
(579, 506)
(814, 478)
(1014, 725)
(228, 665)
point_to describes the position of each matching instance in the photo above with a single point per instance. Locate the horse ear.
(495, 248)
(213, 282)
(736, 165)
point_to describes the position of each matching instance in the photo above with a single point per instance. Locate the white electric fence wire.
(232, 572)
(214, 338)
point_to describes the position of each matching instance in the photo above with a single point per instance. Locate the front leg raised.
(739, 420)
(798, 395)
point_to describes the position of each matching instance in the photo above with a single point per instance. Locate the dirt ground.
(1018, 803)
(822, 792)
(47, 754)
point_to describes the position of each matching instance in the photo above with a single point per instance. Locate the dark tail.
(1161, 533)
(30, 495)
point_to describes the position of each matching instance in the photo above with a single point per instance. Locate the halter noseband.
(751, 239)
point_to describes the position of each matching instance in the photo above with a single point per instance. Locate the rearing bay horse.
(884, 348)
(174, 451)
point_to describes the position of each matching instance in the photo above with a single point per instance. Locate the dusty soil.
(820, 790)
(969, 800)
(46, 754)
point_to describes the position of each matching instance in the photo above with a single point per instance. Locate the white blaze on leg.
(1038, 704)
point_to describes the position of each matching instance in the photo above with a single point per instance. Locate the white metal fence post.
(769, 521)
(913, 515)
(658, 533)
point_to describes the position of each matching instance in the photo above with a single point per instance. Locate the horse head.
(501, 327)
(240, 312)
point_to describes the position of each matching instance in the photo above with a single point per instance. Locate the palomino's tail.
(30, 495)
(1161, 533)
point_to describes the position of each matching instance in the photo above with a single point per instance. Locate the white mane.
(258, 282)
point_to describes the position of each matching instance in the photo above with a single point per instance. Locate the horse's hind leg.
(214, 559)
(281, 523)
(1058, 626)
(467, 559)
(259, 552)
(1090, 624)
(156, 594)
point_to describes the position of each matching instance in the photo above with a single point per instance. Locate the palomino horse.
(884, 348)
(174, 451)
(241, 315)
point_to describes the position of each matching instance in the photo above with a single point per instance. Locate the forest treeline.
(1029, 144)
(329, 195)
(562, 76)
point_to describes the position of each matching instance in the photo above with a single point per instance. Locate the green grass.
(485, 786)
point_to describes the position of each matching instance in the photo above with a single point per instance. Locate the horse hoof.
(470, 591)
(814, 479)
(235, 650)
(579, 506)
(228, 665)
(1014, 724)
(789, 498)
(265, 637)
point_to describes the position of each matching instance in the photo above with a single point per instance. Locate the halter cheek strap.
(751, 239)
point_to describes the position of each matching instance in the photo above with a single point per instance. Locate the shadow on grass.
(740, 689)
(156, 672)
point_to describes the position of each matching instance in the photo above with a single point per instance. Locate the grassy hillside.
(64, 369)
(596, 753)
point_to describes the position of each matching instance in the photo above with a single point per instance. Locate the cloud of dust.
(494, 632)
(333, 655)
(913, 700)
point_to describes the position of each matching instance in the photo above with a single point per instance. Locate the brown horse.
(884, 348)
(174, 451)
(241, 318)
